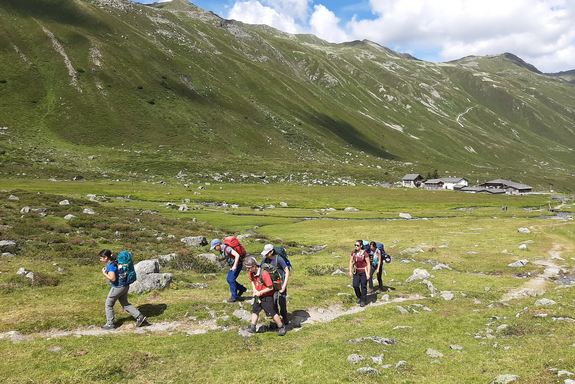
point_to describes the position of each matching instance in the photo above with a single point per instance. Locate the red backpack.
(232, 241)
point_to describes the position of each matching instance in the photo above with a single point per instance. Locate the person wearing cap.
(271, 257)
(226, 251)
(263, 296)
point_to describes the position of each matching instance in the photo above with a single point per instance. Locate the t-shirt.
(279, 263)
(267, 282)
(361, 260)
(376, 256)
(110, 267)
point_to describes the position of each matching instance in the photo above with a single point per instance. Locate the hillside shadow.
(62, 11)
(351, 135)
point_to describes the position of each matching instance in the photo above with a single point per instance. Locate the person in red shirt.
(263, 296)
(359, 271)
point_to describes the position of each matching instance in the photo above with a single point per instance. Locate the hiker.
(263, 289)
(367, 248)
(233, 258)
(117, 293)
(359, 271)
(376, 265)
(271, 257)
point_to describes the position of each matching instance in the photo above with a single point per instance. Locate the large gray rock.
(351, 209)
(504, 379)
(194, 241)
(418, 274)
(433, 353)
(543, 302)
(354, 358)
(146, 267)
(150, 282)
(519, 263)
(368, 371)
(405, 215)
(8, 244)
(523, 230)
(211, 257)
(243, 314)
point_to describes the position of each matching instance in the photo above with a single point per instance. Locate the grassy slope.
(223, 96)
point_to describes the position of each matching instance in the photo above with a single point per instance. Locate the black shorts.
(267, 304)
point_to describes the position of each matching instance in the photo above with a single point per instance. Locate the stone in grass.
(377, 339)
(418, 274)
(569, 381)
(504, 379)
(522, 246)
(402, 310)
(523, 230)
(561, 373)
(519, 263)
(433, 353)
(455, 346)
(354, 358)
(368, 371)
(543, 302)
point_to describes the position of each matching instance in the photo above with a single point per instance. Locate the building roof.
(433, 181)
(412, 176)
(493, 191)
(506, 184)
(452, 179)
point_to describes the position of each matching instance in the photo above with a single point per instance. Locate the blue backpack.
(126, 271)
(385, 257)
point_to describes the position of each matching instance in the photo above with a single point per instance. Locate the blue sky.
(541, 32)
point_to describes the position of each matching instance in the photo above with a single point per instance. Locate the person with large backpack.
(274, 256)
(120, 275)
(360, 271)
(233, 253)
(264, 286)
(379, 257)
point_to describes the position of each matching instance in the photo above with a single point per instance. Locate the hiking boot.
(282, 330)
(362, 304)
(370, 291)
(141, 321)
(232, 300)
(251, 328)
(108, 327)
(358, 300)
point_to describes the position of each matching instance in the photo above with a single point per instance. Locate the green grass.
(529, 347)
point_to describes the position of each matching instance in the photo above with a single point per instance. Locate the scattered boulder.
(351, 209)
(183, 208)
(405, 215)
(456, 347)
(89, 211)
(22, 271)
(339, 272)
(368, 371)
(377, 339)
(69, 216)
(149, 278)
(429, 286)
(418, 274)
(433, 353)
(447, 295)
(243, 314)
(441, 266)
(355, 358)
(283, 204)
(64, 202)
(411, 251)
(519, 263)
(14, 198)
(194, 241)
(504, 379)
(402, 310)
(25, 210)
(522, 246)
(17, 337)
(210, 257)
(543, 302)
(523, 230)
(8, 244)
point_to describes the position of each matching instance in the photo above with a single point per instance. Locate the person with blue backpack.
(273, 256)
(120, 285)
(378, 253)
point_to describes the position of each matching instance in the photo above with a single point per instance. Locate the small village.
(461, 184)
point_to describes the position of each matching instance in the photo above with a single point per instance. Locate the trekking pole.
(384, 271)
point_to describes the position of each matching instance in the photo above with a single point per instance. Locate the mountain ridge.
(221, 96)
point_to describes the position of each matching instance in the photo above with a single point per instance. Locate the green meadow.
(491, 326)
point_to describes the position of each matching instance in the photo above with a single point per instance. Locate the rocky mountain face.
(102, 87)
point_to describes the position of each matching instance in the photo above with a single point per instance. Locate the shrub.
(187, 261)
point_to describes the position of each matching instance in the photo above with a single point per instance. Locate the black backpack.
(274, 274)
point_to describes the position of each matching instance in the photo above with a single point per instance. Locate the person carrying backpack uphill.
(271, 257)
(263, 288)
(377, 264)
(359, 271)
(233, 253)
(118, 291)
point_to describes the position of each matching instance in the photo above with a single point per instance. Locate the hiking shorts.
(266, 303)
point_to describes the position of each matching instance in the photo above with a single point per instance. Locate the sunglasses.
(358, 245)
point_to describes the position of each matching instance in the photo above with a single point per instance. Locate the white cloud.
(542, 32)
(324, 24)
(253, 12)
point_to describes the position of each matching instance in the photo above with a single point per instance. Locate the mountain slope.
(103, 86)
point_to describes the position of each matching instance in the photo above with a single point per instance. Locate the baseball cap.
(267, 249)
(215, 243)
